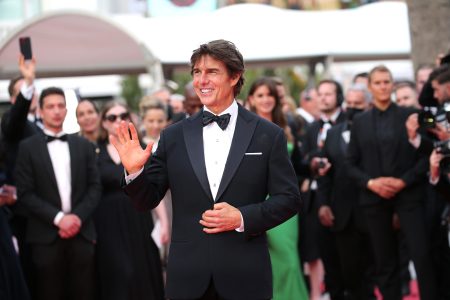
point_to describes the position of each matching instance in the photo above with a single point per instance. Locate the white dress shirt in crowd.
(60, 157)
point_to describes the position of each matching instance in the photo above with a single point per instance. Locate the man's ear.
(235, 78)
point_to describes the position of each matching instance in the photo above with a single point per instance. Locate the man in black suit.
(16, 126)
(58, 182)
(391, 177)
(15, 123)
(337, 196)
(231, 180)
(316, 244)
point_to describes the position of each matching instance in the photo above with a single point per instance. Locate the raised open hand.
(132, 156)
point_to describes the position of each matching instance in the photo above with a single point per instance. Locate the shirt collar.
(306, 115)
(389, 108)
(232, 109)
(333, 117)
(51, 133)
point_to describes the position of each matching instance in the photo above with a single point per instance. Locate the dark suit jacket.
(364, 161)
(15, 128)
(443, 186)
(38, 191)
(310, 149)
(336, 189)
(239, 263)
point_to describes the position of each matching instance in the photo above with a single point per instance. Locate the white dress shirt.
(60, 158)
(216, 145)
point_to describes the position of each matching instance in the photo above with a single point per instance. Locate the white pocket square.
(253, 153)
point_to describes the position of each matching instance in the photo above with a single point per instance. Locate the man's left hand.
(223, 217)
(396, 183)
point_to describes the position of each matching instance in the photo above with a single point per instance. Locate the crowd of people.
(209, 196)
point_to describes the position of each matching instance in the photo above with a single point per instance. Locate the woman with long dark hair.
(288, 282)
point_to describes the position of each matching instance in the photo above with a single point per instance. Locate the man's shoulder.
(362, 117)
(31, 143)
(261, 123)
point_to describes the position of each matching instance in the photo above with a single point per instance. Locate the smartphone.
(25, 47)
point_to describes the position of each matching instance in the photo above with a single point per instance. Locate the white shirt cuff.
(434, 181)
(27, 91)
(416, 141)
(130, 177)
(58, 218)
(241, 228)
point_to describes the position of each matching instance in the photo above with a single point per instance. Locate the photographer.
(431, 124)
(432, 136)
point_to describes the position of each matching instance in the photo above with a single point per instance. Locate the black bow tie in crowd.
(221, 120)
(50, 138)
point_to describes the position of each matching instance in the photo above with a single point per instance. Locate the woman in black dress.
(129, 265)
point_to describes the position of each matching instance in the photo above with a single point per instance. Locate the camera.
(429, 116)
(443, 147)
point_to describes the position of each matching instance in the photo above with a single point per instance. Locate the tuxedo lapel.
(46, 159)
(342, 143)
(193, 137)
(74, 160)
(245, 126)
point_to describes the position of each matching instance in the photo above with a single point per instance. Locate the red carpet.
(414, 292)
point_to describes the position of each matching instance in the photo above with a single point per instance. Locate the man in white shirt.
(58, 182)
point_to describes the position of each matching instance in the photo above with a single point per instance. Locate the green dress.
(288, 282)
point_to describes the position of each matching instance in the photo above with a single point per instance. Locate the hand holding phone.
(25, 47)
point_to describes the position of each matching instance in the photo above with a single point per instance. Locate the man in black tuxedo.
(337, 196)
(391, 177)
(231, 180)
(316, 243)
(58, 182)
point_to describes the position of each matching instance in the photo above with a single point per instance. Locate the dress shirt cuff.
(416, 141)
(58, 218)
(434, 181)
(27, 91)
(241, 228)
(130, 177)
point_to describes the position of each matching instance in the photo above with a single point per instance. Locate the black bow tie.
(322, 122)
(221, 120)
(50, 138)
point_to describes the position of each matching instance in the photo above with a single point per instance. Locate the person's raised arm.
(27, 69)
(132, 156)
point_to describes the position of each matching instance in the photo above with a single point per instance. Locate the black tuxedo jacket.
(364, 162)
(310, 150)
(15, 128)
(239, 263)
(38, 191)
(336, 189)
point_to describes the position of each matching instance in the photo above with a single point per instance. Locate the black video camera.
(430, 115)
(443, 147)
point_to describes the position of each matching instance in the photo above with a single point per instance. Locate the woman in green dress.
(288, 282)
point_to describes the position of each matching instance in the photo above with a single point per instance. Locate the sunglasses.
(122, 116)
